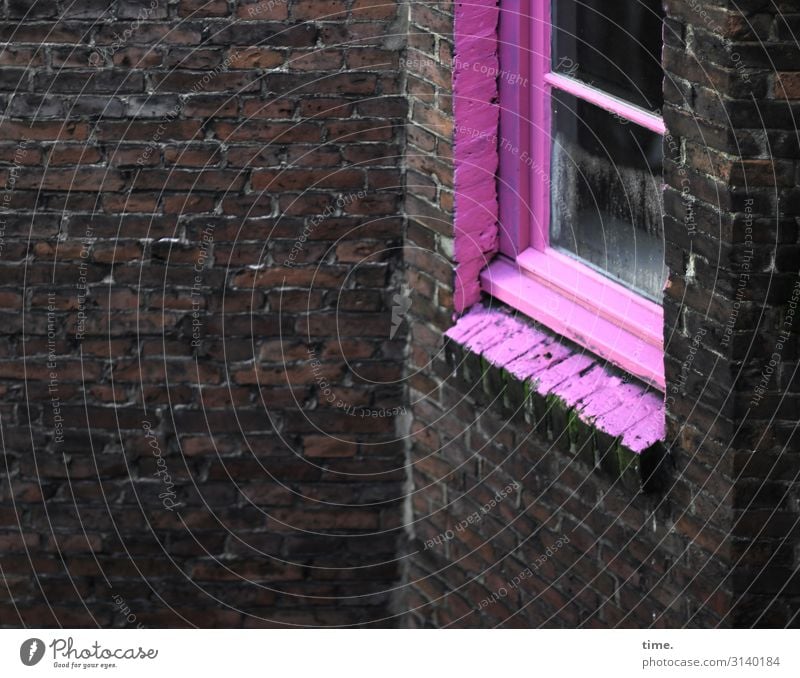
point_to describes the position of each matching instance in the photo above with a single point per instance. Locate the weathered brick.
(160, 189)
(232, 227)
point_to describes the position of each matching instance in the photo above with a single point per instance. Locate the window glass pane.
(614, 45)
(606, 194)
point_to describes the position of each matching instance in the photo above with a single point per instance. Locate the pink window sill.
(631, 412)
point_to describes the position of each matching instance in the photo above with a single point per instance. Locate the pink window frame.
(565, 295)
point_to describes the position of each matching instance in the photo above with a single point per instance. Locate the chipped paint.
(571, 380)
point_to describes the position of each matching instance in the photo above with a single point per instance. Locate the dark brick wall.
(173, 453)
(206, 209)
(716, 546)
(732, 249)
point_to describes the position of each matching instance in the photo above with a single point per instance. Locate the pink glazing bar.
(539, 105)
(610, 103)
(515, 125)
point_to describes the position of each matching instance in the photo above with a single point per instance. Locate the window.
(580, 181)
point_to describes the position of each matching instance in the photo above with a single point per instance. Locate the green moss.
(572, 427)
(549, 413)
(486, 370)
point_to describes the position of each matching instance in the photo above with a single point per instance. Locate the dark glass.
(614, 45)
(606, 176)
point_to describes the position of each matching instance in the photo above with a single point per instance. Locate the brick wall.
(732, 249)
(206, 209)
(200, 243)
(510, 525)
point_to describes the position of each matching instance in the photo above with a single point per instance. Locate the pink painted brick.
(476, 158)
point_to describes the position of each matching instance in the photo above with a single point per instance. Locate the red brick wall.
(732, 243)
(227, 235)
(171, 453)
(716, 545)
